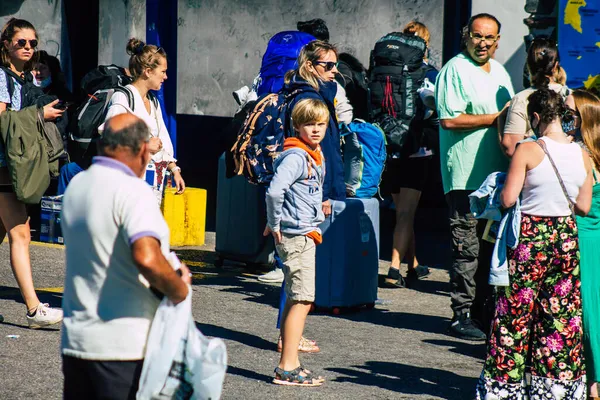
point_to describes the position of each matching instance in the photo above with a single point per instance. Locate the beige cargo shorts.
(297, 252)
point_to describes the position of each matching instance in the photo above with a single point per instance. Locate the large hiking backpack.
(280, 57)
(364, 158)
(103, 77)
(395, 73)
(98, 86)
(353, 78)
(260, 141)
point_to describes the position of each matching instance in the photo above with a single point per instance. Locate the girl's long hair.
(588, 106)
(310, 52)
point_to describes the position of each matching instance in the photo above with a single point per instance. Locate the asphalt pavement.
(398, 350)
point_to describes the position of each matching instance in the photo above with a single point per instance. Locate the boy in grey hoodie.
(294, 212)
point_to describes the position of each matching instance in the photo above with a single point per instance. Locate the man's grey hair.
(131, 136)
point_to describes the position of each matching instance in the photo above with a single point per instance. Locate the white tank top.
(542, 195)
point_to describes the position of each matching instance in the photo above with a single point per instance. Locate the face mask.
(568, 126)
(45, 83)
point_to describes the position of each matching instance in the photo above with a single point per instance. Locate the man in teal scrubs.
(472, 90)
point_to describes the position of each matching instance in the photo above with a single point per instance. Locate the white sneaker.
(44, 316)
(274, 276)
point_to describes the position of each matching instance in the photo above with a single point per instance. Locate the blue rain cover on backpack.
(280, 57)
(364, 158)
(260, 140)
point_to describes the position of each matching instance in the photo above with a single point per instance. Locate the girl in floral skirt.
(538, 316)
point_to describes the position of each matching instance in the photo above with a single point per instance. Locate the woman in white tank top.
(541, 306)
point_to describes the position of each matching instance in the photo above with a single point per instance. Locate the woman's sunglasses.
(23, 42)
(328, 65)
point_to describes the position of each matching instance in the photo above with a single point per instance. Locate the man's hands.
(153, 265)
(326, 208)
(186, 275)
(468, 122)
(276, 235)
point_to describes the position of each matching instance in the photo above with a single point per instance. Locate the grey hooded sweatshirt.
(294, 198)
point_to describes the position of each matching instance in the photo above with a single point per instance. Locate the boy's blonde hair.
(309, 110)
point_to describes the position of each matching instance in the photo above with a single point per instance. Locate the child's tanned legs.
(294, 318)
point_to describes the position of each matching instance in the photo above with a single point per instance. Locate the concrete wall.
(120, 20)
(511, 51)
(45, 15)
(221, 43)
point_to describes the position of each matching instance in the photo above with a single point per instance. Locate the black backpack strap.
(129, 94)
(154, 99)
(18, 78)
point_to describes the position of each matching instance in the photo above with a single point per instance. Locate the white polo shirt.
(108, 306)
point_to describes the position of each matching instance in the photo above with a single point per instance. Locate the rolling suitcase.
(241, 220)
(347, 265)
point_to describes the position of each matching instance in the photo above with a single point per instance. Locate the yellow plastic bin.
(186, 216)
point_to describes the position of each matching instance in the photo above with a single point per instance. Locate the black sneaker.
(394, 279)
(463, 328)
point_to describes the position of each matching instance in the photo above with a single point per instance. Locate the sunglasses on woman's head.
(328, 65)
(23, 42)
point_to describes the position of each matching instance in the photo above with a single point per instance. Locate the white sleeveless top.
(542, 195)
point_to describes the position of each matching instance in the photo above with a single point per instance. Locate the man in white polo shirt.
(116, 247)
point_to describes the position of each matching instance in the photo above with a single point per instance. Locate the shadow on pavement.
(429, 286)
(248, 374)
(51, 328)
(255, 291)
(240, 337)
(13, 293)
(472, 349)
(401, 320)
(422, 285)
(408, 379)
(268, 294)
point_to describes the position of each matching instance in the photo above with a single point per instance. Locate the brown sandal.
(305, 346)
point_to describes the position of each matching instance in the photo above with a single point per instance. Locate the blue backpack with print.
(260, 140)
(364, 158)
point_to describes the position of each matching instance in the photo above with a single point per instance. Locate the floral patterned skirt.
(537, 324)
(155, 176)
